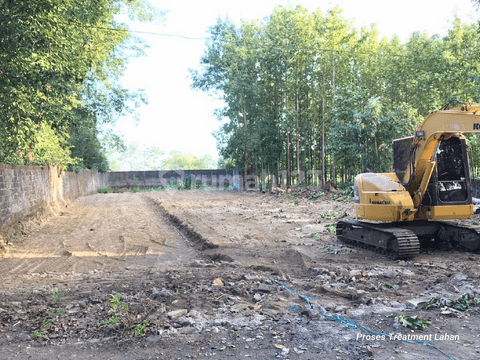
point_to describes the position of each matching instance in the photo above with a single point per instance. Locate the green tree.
(181, 161)
(307, 91)
(134, 157)
(59, 61)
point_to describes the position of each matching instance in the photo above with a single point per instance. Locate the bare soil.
(220, 274)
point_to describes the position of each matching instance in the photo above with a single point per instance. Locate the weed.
(335, 196)
(49, 319)
(141, 329)
(135, 180)
(115, 301)
(125, 322)
(434, 303)
(56, 296)
(475, 223)
(106, 190)
(331, 228)
(113, 321)
(329, 216)
(177, 292)
(295, 203)
(313, 235)
(36, 334)
(238, 333)
(461, 304)
(281, 216)
(297, 229)
(125, 307)
(332, 251)
(61, 311)
(281, 200)
(412, 322)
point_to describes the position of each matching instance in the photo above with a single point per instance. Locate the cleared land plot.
(199, 270)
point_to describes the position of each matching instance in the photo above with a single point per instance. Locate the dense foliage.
(59, 65)
(307, 91)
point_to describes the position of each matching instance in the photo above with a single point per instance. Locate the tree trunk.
(289, 165)
(246, 149)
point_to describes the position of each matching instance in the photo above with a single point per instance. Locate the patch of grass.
(106, 190)
(413, 322)
(313, 235)
(56, 296)
(115, 301)
(36, 334)
(113, 321)
(141, 329)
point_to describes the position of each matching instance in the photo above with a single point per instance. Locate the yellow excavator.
(406, 210)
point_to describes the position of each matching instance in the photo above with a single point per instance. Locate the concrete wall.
(161, 177)
(29, 190)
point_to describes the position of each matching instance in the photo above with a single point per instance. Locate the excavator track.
(384, 237)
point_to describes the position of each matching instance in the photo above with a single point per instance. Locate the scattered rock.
(185, 321)
(218, 282)
(173, 315)
(156, 294)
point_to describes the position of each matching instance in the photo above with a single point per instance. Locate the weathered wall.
(29, 190)
(161, 177)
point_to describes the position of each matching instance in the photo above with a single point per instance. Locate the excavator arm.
(437, 127)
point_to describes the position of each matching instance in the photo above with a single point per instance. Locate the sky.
(178, 118)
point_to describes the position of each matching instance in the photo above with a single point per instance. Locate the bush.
(188, 181)
(106, 190)
(172, 182)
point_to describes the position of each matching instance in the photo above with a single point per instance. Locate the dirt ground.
(223, 274)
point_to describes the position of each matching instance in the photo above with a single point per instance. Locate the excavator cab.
(450, 180)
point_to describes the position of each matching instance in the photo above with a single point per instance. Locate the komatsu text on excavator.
(407, 209)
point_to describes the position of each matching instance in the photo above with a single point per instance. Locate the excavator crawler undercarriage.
(404, 240)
